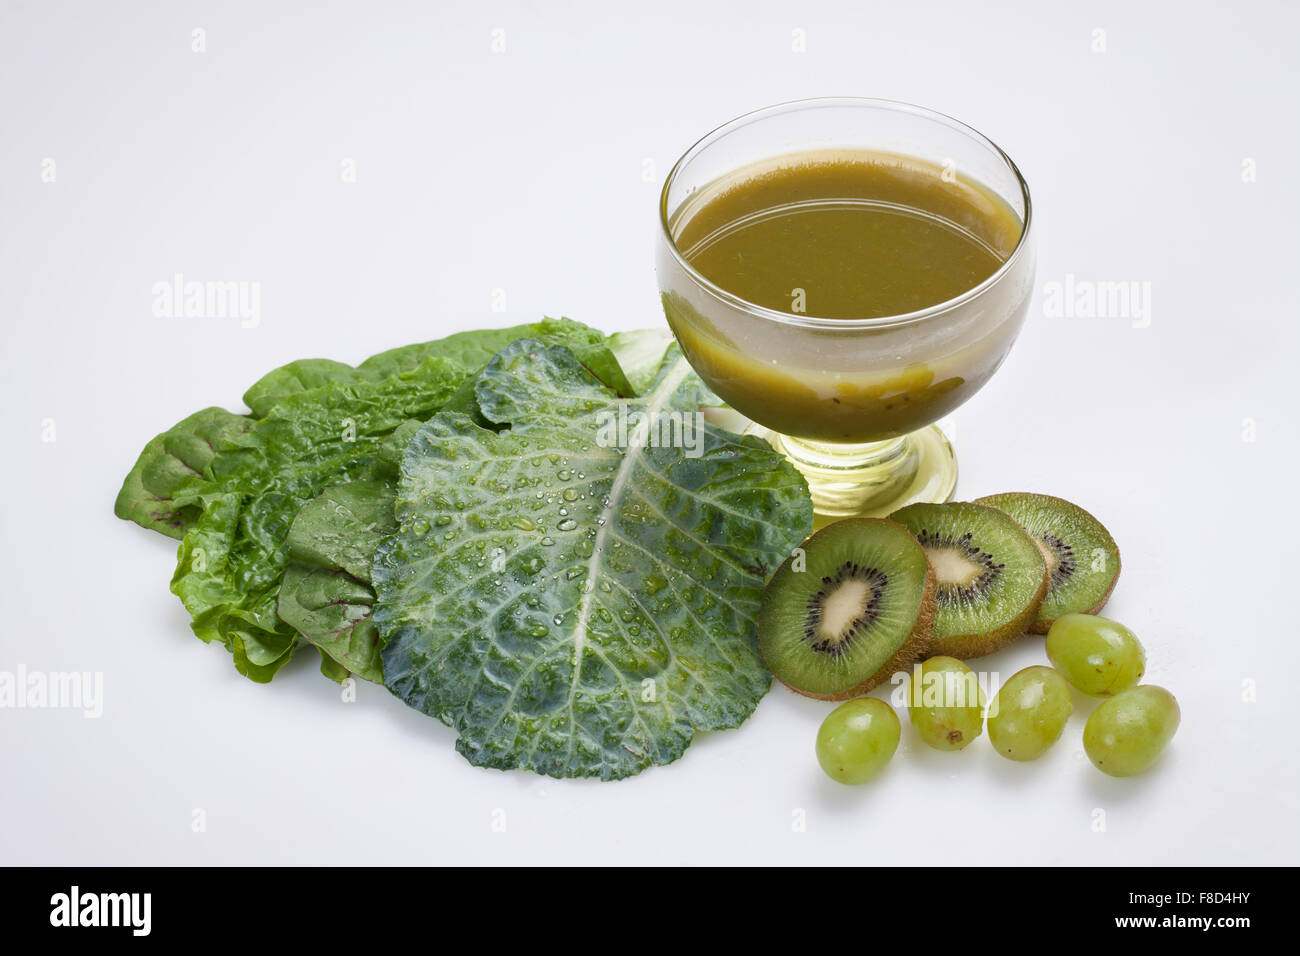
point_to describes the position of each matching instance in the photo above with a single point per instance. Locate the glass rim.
(817, 322)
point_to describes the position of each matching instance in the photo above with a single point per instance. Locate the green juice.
(844, 235)
(853, 237)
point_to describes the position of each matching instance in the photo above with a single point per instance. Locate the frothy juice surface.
(849, 236)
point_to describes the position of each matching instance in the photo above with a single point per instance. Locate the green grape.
(1099, 656)
(946, 704)
(1126, 734)
(857, 739)
(1029, 713)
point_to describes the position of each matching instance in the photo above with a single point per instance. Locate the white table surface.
(535, 170)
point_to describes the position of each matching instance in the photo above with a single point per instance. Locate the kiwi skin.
(1042, 626)
(915, 647)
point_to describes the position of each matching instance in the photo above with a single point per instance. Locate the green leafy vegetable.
(231, 561)
(303, 375)
(570, 606)
(229, 485)
(170, 465)
(331, 610)
(469, 349)
(574, 594)
(640, 354)
(326, 594)
(342, 528)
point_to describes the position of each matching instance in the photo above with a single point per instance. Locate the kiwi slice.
(848, 609)
(1082, 559)
(990, 575)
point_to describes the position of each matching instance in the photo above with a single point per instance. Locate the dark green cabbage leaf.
(568, 605)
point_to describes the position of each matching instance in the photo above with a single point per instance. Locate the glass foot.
(874, 478)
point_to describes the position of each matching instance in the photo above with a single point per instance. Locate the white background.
(525, 170)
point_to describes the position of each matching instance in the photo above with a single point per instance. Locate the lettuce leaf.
(326, 595)
(231, 561)
(470, 349)
(171, 464)
(567, 605)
